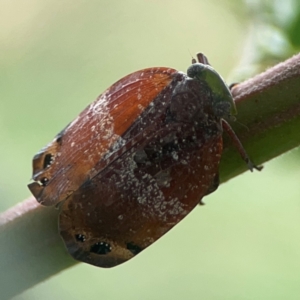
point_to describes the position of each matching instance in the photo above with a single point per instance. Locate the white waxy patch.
(118, 144)
(145, 189)
(163, 178)
(140, 107)
(175, 207)
(142, 199)
(174, 155)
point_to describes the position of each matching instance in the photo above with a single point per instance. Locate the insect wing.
(147, 188)
(71, 158)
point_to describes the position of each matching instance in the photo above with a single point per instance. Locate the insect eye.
(196, 71)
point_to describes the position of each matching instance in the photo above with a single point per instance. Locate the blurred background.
(58, 56)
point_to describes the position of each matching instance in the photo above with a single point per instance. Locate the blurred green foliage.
(273, 34)
(57, 56)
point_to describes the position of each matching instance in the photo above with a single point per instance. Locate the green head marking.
(215, 82)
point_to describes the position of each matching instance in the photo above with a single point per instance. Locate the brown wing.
(125, 209)
(150, 186)
(71, 158)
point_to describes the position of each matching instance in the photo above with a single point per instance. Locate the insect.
(136, 161)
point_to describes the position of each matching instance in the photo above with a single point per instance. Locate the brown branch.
(268, 116)
(31, 248)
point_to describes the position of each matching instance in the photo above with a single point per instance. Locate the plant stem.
(268, 117)
(268, 125)
(31, 248)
